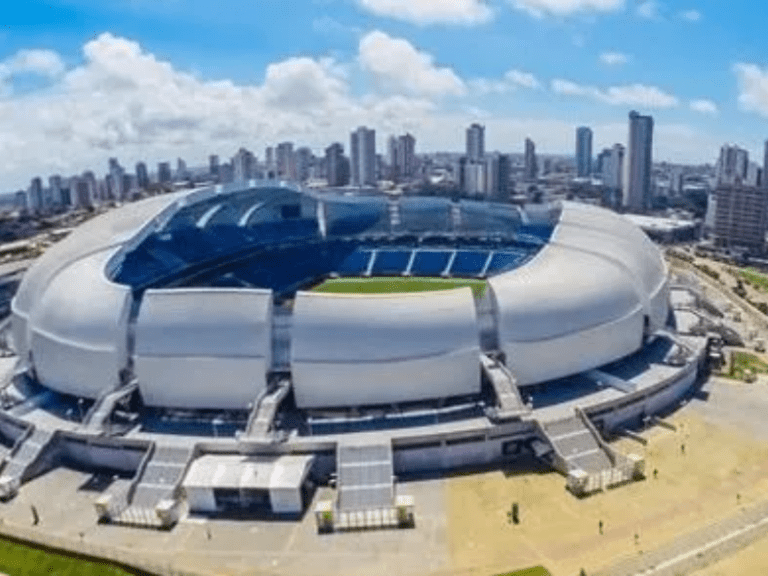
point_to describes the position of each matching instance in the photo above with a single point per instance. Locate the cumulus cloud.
(398, 66)
(691, 15)
(124, 101)
(614, 58)
(753, 87)
(541, 8)
(704, 106)
(466, 12)
(628, 95)
(42, 62)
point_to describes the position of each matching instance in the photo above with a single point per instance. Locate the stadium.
(230, 347)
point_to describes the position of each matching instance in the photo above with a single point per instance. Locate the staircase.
(21, 459)
(510, 402)
(576, 444)
(103, 407)
(161, 477)
(263, 414)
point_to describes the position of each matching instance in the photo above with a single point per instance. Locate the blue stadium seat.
(430, 263)
(355, 264)
(469, 263)
(391, 262)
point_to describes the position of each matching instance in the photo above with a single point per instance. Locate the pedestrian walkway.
(696, 549)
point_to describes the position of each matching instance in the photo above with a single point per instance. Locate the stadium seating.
(430, 262)
(391, 262)
(468, 263)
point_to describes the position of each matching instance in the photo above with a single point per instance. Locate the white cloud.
(648, 9)
(753, 87)
(541, 8)
(691, 15)
(522, 79)
(704, 107)
(397, 65)
(628, 95)
(43, 62)
(512, 80)
(123, 101)
(423, 12)
(614, 58)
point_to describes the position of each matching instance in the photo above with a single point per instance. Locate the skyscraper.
(286, 163)
(304, 160)
(115, 180)
(531, 170)
(36, 200)
(613, 167)
(55, 190)
(142, 176)
(164, 173)
(765, 166)
(336, 165)
(213, 167)
(732, 165)
(402, 156)
(362, 152)
(243, 164)
(740, 216)
(637, 183)
(583, 152)
(475, 142)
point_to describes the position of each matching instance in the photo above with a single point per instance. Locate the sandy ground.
(724, 466)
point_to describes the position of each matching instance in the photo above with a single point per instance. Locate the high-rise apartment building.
(336, 165)
(213, 167)
(764, 182)
(304, 160)
(401, 152)
(476, 142)
(613, 167)
(142, 175)
(583, 152)
(243, 165)
(115, 180)
(164, 173)
(472, 176)
(732, 165)
(55, 190)
(285, 161)
(639, 165)
(362, 151)
(741, 216)
(531, 170)
(498, 171)
(36, 199)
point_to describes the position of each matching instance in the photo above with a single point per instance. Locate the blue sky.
(81, 80)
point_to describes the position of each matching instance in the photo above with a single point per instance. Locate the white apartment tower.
(362, 151)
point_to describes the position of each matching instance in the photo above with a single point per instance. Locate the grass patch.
(755, 278)
(20, 560)
(398, 284)
(743, 361)
(537, 571)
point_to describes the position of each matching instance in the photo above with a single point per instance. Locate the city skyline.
(82, 81)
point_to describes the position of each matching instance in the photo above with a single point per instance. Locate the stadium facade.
(197, 307)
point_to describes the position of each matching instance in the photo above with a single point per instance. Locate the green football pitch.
(396, 284)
